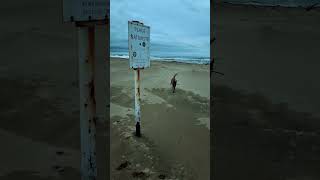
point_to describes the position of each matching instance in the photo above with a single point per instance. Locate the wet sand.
(175, 126)
(265, 113)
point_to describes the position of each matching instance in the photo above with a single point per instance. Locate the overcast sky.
(183, 25)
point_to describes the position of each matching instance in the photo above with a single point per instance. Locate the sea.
(285, 3)
(179, 57)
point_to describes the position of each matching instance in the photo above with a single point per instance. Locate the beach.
(175, 126)
(265, 108)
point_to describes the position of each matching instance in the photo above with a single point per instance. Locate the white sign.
(139, 44)
(85, 10)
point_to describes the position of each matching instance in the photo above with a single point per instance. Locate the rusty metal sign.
(85, 10)
(139, 44)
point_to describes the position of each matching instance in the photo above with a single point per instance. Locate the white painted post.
(87, 102)
(86, 14)
(137, 100)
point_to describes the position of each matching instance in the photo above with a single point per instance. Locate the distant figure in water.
(174, 83)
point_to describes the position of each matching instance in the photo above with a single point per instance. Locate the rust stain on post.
(138, 73)
(137, 93)
(87, 102)
(92, 66)
(91, 45)
(92, 94)
(91, 91)
(137, 100)
(95, 120)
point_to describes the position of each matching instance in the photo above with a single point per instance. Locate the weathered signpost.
(139, 58)
(86, 14)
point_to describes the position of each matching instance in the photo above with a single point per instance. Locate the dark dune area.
(265, 109)
(39, 116)
(257, 139)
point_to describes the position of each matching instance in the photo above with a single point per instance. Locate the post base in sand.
(138, 133)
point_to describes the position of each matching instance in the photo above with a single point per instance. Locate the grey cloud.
(183, 24)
